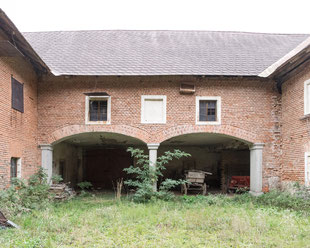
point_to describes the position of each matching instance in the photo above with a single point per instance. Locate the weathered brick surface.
(295, 130)
(18, 131)
(250, 109)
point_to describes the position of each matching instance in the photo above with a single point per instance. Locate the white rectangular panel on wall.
(153, 110)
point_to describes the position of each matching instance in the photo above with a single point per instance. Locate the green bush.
(24, 196)
(298, 201)
(84, 186)
(144, 176)
(57, 179)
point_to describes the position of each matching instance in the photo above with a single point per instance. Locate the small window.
(17, 95)
(98, 109)
(307, 168)
(15, 169)
(208, 110)
(307, 97)
(153, 109)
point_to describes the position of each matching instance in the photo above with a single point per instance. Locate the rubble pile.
(62, 191)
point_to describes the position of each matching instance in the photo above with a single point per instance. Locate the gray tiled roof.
(160, 52)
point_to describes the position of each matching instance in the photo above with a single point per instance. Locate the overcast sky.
(276, 16)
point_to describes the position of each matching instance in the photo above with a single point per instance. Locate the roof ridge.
(167, 30)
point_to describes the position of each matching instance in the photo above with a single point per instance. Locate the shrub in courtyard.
(84, 186)
(24, 196)
(298, 201)
(144, 176)
(56, 179)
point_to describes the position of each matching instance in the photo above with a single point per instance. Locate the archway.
(248, 137)
(96, 157)
(222, 155)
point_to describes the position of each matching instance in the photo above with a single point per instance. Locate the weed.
(187, 221)
(24, 196)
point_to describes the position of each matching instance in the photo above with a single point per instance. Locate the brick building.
(73, 102)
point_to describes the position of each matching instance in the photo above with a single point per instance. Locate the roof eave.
(288, 62)
(18, 40)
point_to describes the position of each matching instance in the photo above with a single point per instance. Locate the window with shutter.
(153, 109)
(17, 95)
(208, 110)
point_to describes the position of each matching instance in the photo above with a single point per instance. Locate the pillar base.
(256, 193)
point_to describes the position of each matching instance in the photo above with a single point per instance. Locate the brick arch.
(65, 132)
(234, 132)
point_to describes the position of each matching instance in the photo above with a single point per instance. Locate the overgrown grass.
(212, 221)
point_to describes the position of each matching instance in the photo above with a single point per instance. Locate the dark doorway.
(104, 166)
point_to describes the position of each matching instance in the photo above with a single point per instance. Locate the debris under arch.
(62, 191)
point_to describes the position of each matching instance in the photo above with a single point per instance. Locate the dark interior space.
(100, 158)
(102, 167)
(220, 155)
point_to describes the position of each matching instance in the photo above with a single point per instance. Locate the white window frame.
(19, 168)
(98, 98)
(306, 99)
(218, 110)
(307, 157)
(154, 97)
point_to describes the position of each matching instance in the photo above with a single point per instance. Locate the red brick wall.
(18, 131)
(249, 109)
(295, 132)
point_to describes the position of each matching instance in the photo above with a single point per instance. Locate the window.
(307, 168)
(153, 109)
(208, 110)
(307, 97)
(98, 110)
(17, 95)
(15, 170)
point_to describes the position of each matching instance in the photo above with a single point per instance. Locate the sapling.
(144, 176)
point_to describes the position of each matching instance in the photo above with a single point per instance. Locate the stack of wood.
(62, 191)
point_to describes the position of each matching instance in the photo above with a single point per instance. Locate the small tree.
(145, 176)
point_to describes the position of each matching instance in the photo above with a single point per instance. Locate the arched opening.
(96, 157)
(222, 155)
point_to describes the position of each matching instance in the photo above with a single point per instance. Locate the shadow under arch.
(75, 130)
(232, 132)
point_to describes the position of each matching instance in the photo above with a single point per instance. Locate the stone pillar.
(153, 147)
(47, 160)
(256, 169)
